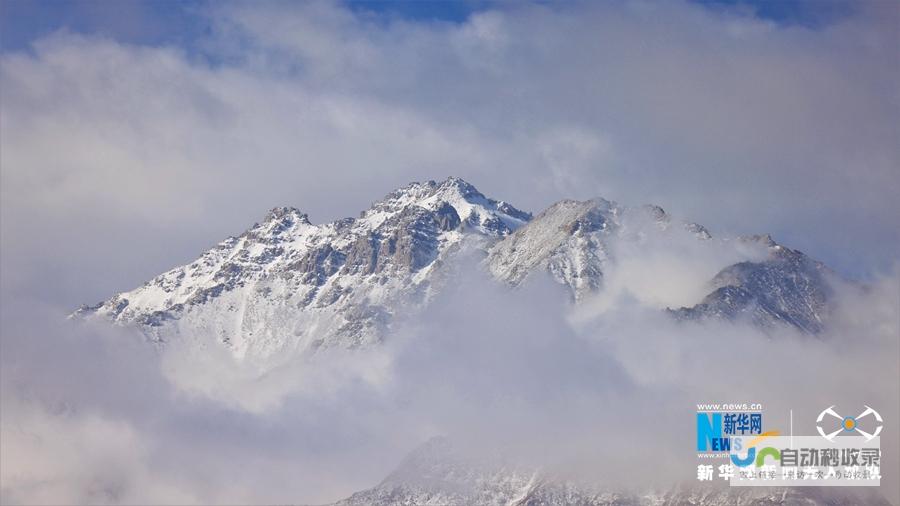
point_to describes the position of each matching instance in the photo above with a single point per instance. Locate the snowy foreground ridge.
(287, 285)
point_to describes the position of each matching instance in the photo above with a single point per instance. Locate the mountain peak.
(761, 239)
(460, 185)
(474, 209)
(452, 187)
(286, 213)
(281, 221)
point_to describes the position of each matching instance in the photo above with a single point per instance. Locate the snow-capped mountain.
(439, 474)
(287, 285)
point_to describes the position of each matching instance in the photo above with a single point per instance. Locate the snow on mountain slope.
(567, 239)
(288, 286)
(575, 242)
(572, 240)
(787, 287)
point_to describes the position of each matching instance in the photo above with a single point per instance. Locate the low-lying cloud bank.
(94, 415)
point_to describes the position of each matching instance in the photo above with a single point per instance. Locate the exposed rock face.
(287, 285)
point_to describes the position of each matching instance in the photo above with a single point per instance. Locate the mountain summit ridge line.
(286, 284)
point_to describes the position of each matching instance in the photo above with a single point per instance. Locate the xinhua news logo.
(846, 451)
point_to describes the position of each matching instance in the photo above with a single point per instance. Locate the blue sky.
(178, 23)
(143, 22)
